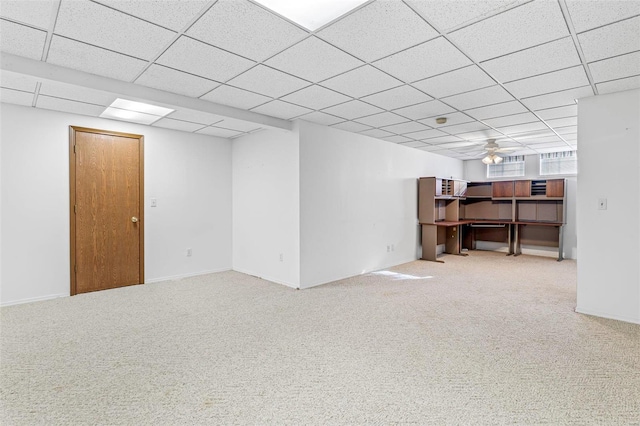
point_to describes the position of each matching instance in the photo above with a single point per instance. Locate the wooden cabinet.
(555, 188)
(502, 189)
(522, 188)
(438, 199)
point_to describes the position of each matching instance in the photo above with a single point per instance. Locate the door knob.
(134, 219)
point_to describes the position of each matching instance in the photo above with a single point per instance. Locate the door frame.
(72, 196)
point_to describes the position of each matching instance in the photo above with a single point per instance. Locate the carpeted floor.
(483, 339)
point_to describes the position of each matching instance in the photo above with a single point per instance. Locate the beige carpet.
(486, 339)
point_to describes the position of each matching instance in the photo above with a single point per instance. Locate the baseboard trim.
(33, 299)
(607, 316)
(191, 274)
(266, 278)
(366, 271)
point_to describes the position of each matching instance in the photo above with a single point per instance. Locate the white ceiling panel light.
(136, 112)
(311, 14)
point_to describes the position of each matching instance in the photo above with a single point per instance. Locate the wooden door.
(523, 188)
(107, 226)
(555, 188)
(502, 189)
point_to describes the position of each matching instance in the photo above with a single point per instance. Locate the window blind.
(559, 163)
(512, 166)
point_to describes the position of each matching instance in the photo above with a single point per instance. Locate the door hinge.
(74, 149)
(75, 209)
(75, 268)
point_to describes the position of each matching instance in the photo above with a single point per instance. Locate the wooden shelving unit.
(456, 213)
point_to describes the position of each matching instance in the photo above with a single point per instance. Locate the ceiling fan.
(492, 149)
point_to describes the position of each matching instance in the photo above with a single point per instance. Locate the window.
(512, 166)
(559, 163)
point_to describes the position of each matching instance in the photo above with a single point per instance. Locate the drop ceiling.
(503, 69)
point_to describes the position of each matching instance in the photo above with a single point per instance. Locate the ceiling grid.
(504, 69)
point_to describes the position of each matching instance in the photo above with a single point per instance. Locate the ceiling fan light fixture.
(492, 159)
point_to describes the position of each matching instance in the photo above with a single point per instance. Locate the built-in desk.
(453, 213)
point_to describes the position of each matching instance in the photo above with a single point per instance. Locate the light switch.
(602, 203)
(154, 202)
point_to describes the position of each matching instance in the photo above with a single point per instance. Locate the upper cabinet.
(502, 189)
(555, 188)
(523, 188)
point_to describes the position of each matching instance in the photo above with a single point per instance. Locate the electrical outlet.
(281, 257)
(189, 252)
(154, 202)
(388, 248)
(393, 248)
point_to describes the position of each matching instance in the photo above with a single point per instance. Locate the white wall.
(190, 175)
(476, 171)
(266, 206)
(358, 195)
(609, 167)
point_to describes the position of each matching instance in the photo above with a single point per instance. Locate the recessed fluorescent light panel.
(137, 112)
(311, 14)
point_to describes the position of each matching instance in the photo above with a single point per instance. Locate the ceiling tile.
(419, 62)
(552, 147)
(321, 118)
(559, 112)
(316, 97)
(516, 29)
(201, 59)
(498, 110)
(184, 126)
(477, 98)
(397, 139)
(199, 117)
(425, 110)
(536, 60)
(94, 60)
(445, 16)
(550, 82)
(525, 137)
(77, 93)
(397, 97)
(15, 81)
(382, 119)
(238, 125)
(508, 120)
(281, 109)
(377, 30)
(314, 60)
(245, 29)
(267, 81)
(237, 98)
(104, 27)
(442, 139)
(64, 105)
(543, 139)
(479, 135)
(464, 128)
(21, 40)
(170, 80)
(413, 144)
(566, 130)
(408, 127)
(353, 109)
(523, 128)
(34, 12)
(452, 118)
(590, 14)
(221, 133)
(614, 68)
(563, 122)
(619, 85)
(452, 145)
(377, 133)
(361, 82)
(556, 99)
(351, 126)
(454, 82)
(172, 14)
(425, 134)
(611, 40)
(17, 97)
